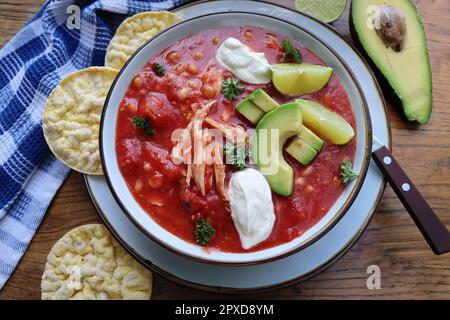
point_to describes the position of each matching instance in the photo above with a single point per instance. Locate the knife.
(433, 230)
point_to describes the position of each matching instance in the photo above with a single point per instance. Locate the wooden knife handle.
(433, 230)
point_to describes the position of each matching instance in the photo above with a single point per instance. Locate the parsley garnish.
(347, 174)
(145, 125)
(291, 54)
(158, 69)
(236, 155)
(232, 88)
(203, 232)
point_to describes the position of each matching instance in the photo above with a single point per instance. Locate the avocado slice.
(249, 110)
(405, 65)
(301, 151)
(326, 122)
(311, 139)
(263, 100)
(271, 133)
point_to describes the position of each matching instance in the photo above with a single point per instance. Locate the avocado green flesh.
(267, 145)
(250, 111)
(301, 151)
(408, 71)
(263, 100)
(311, 138)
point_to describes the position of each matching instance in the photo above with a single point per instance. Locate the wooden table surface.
(409, 270)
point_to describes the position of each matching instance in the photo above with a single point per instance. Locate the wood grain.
(409, 269)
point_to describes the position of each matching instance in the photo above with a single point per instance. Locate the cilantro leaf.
(291, 54)
(145, 125)
(232, 88)
(347, 174)
(158, 69)
(236, 155)
(203, 232)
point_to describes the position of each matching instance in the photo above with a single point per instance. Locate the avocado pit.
(390, 25)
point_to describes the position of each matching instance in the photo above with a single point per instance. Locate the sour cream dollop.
(249, 66)
(251, 206)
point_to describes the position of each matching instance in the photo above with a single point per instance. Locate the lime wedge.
(298, 79)
(326, 10)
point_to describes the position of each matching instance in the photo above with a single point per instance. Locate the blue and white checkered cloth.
(31, 65)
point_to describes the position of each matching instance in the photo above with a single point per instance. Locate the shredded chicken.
(198, 165)
(181, 152)
(234, 134)
(200, 141)
(209, 177)
(189, 173)
(219, 171)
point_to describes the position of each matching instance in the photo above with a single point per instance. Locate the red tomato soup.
(190, 78)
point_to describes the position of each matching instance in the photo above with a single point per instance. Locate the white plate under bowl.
(146, 223)
(299, 266)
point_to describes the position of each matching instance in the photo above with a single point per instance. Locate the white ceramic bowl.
(163, 40)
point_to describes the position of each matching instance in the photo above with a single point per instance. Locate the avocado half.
(408, 70)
